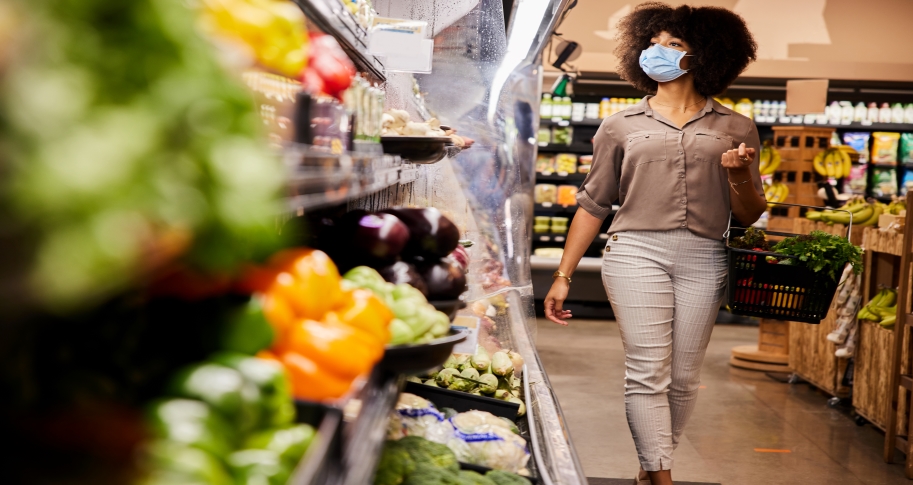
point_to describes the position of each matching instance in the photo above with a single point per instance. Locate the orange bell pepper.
(309, 381)
(279, 314)
(309, 281)
(337, 348)
(367, 312)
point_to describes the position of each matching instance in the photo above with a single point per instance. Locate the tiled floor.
(737, 412)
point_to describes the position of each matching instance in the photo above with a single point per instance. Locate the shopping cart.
(777, 291)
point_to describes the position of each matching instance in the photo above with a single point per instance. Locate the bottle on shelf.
(872, 116)
(884, 114)
(860, 112)
(897, 113)
(545, 107)
(834, 112)
(604, 108)
(908, 114)
(566, 108)
(846, 112)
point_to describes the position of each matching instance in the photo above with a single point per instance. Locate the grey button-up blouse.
(667, 177)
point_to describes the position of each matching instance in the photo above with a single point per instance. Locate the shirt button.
(608, 248)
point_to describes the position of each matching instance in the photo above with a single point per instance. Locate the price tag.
(559, 238)
(562, 174)
(547, 173)
(546, 204)
(564, 123)
(603, 236)
(544, 238)
(471, 324)
(543, 144)
(785, 119)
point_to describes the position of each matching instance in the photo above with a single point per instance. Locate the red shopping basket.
(778, 291)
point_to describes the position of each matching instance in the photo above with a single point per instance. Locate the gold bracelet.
(559, 274)
(734, 189)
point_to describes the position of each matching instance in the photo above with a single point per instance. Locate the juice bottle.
(604, 108)
(545, 106)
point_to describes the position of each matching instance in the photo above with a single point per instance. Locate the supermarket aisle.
(738, 411)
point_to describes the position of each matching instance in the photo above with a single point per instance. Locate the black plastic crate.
(463, 401)
(778, 291)
(320, 463)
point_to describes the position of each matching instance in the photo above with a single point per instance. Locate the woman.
(680, 164)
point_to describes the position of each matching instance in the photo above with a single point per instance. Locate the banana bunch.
(768, 159)
(896, 206)
(882, 308)
(834, 162)
(864, 213)
(775, 192)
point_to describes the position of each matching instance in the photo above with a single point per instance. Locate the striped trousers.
(665, 288)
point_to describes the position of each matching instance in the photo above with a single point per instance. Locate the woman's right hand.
(554, 302)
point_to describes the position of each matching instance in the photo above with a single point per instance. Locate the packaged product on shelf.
(727, 103)
(545, 107)
(884, 113)
(567, 195)
(744, 107)
(846, 112)
(884, 182)
(855, 182)
(872, 115)
(897, 113)
(562, 135)
(908, 114)
(907, 184)
(566, 162)
(860, 143)
(544, 135)
(559, 225)
(549, 252)
(884, 147)
(545, 163)
(578, 111)
(906, 148)
(592, 111)
(604, 108)
(546, 194)
(584, 162)
(541, 224)
(860, 112)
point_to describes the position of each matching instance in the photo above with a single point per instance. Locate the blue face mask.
(661, 63)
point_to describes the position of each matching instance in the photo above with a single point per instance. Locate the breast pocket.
(646, 146)
(710, 145)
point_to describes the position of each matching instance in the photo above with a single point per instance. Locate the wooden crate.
(888, 242)
(872, 376)
(805, 226)
(798, 146)
(811, 355)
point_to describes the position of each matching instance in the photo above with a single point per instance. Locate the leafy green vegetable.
(822, 252)
(753, 238)
(501, 477)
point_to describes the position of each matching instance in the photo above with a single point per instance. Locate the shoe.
(639, 481)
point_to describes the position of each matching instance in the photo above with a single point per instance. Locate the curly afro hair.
(723, 47)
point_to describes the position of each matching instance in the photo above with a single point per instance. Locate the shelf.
(898, 127)
(579, 148)
(555, 208)
(561, 177)
(317, 179)
(584, 122)
(333, 18)
(366, 436)
(587, 265)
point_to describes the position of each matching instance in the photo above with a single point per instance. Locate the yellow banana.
(877, 210)
(818, 164)
(840, 217)
(890, 298)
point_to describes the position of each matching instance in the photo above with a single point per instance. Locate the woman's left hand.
(738, 159)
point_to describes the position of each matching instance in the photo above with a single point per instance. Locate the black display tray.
(449, 307)
(417, 149)
(463, 401)
(484, 469)
(415, 359)
(320, 463)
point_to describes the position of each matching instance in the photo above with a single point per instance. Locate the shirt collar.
(644, 107)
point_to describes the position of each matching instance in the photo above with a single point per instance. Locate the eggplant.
(445, 280)
(380, 236)
(432, 235)
(402, 272)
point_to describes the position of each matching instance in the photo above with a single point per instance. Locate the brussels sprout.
(501, 364)
(491, 384)
(481, 360)
(445, 377)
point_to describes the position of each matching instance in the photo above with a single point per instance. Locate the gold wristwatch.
(559, 274)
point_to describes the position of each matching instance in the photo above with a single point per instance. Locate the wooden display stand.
(875, 345)
(812, 355)
(798, 146)
(805, 226)
(772, 352)
(889, 271)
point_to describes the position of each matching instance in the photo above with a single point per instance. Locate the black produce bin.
(320, 464)
(777, 291)
(463, 401)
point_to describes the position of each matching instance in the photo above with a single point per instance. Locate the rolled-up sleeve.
(600, 188)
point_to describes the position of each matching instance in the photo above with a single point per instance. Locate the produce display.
(834, 162)
(566, 163)
(768, 159)
(819, 251)
(225, 421)
(546, 194)
(863, 213)
(881, 309)
(775, 192)
(415, 320)
(495, 375)
(474, 437)
(326, 334)
(417, 461)
(567, 195)
(420, 247)
(396, 122)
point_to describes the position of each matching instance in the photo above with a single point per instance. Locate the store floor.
(738, 411)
